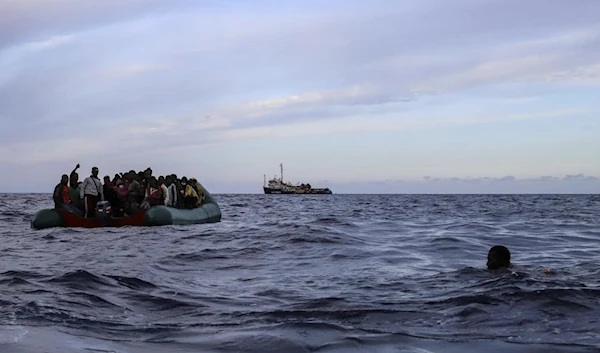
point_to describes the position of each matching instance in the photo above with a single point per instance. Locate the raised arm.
(76, 167)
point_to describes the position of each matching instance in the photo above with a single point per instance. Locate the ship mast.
(281, 167)
(265, 182)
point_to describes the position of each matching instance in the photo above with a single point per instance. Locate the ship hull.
(279, 187)
(272, 191)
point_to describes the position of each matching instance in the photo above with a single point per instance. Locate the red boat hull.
(73, 220)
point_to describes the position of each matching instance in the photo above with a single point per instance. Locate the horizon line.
(363, 193)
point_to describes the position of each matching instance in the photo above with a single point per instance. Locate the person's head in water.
(498, 257)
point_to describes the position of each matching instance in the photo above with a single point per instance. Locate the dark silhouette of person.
(498, 258)
(61, 193)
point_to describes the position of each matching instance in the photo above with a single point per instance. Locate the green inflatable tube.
(46, 218)
(208, 212)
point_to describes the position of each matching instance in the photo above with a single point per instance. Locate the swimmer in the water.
(498, 257)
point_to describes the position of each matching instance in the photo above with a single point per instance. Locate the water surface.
(321, 273)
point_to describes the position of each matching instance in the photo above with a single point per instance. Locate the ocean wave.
(81, 279)
(155, 302)
(333, 221)
(132, 282)
(354, 273)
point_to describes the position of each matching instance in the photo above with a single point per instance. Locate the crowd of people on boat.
(127, 193)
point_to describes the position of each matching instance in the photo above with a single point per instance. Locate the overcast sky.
(361, 96)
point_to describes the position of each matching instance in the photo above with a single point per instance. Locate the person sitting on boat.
(190, 195)
(165, 190)
(198, 190)
(171, 198)
(139, 176)
(146, 176)
(108, 189)
(110, 193)
(120, 199)
(91, 193)
(154, 194)
(134, 193)
(183, 186)
(179, 190)
(61, 193)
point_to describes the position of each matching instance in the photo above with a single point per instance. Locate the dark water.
(339, 273)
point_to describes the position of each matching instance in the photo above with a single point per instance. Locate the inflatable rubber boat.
(208, 212)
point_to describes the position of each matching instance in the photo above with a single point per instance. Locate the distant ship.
(278, 186)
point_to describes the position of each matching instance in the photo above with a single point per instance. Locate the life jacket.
(189, 191)
(155, 195)
(121, 192)
(200, 193)
(65, 195)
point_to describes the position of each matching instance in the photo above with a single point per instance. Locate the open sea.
(320, 273)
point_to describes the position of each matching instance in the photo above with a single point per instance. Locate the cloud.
(126, 71)
(50, 43)
(361, 124)
(510, 178)
(580, 177)
(24, 20)
(208, 130)
(477, 185)
(125, 75)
